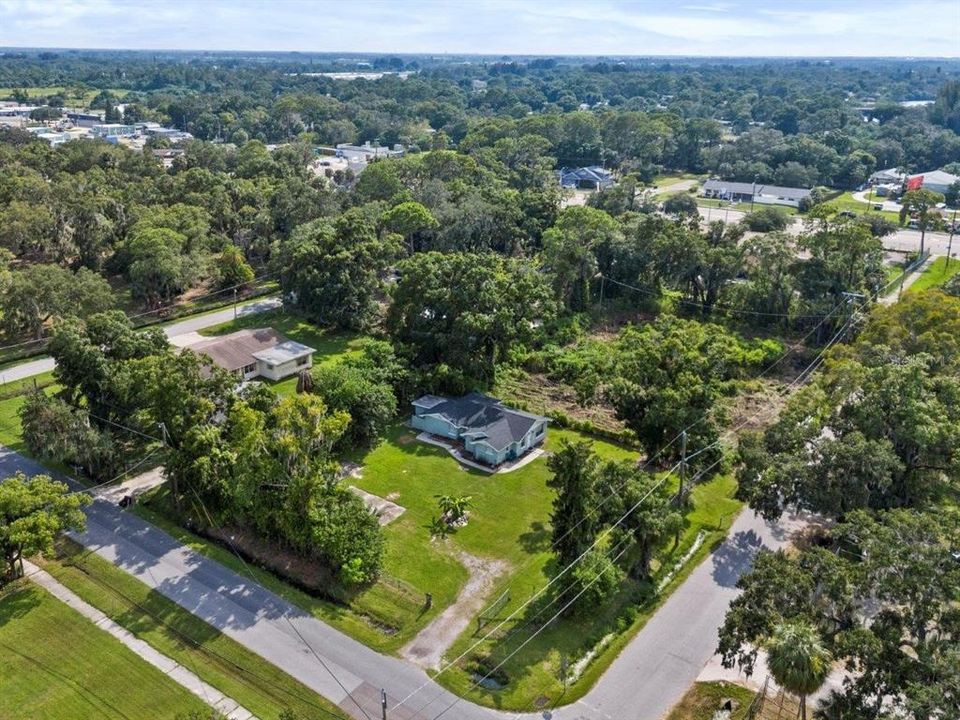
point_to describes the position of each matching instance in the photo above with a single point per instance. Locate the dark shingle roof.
(482, 418)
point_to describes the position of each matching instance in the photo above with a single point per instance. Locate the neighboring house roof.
(594, 173)
(244, 347)
(283, 352)
(482, 418)
(889, 174)
(742, 188)
(936, 177)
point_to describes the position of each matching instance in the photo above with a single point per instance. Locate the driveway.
(181, 327)
(645, 681)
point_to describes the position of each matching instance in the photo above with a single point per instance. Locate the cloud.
(497, 27)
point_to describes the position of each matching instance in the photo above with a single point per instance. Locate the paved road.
(190, 324)
(648, 678)
(902, 239)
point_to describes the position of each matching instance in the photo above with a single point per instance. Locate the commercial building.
(754, 192)
(935, 180)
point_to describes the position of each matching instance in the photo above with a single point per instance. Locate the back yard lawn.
(58, 665)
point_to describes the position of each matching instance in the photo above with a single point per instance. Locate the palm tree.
(798, 660)
(453, 507)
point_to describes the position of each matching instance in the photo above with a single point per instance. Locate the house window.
(247, 369)
(303, 361)
(269, 367)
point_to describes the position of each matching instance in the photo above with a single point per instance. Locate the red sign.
(914, 183)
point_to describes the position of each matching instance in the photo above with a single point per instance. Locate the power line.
(716, 443)
(701, 306)
(284, 613)
(453, 662)
(208, 651)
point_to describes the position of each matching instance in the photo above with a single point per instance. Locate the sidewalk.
(209, 694)
(894, 295)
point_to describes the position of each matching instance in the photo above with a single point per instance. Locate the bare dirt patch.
(428, 647)
(542, 395)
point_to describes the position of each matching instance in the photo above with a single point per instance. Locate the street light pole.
(953, 229)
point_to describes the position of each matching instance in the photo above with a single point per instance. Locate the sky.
(907, 28)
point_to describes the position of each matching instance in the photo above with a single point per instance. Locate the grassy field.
(936, 274)
(40, 92)
(743, 207)
(12, 397)
(532, 675)
(57, 665)
(223, 663)
(846, 201)
(704, 699)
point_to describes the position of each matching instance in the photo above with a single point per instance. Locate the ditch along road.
(181, 327)
(650, 675)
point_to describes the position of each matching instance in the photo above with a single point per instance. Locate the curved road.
(643, 683)
(180, 327)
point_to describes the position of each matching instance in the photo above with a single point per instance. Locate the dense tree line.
(870, 444)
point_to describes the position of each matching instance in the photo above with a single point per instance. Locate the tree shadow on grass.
(536, 539)
(16, 601)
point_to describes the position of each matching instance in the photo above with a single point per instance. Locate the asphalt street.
(903, 239)
(648, 677)
(190, 324)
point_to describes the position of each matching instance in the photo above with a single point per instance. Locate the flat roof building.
(754, 192)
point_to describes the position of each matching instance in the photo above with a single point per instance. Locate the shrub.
(766, 219)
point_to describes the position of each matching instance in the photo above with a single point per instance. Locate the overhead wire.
(478, 642)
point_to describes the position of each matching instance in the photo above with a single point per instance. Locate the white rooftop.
(283, 352)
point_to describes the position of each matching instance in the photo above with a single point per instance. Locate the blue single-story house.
(589, 178)
(489, 431)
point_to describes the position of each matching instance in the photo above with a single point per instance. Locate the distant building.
(22, 111)
(491, 432)
(257, 353)
(118, 130)
(586, 178)
(935, 180)
(84, 119)
(754, 192)
(888, 177)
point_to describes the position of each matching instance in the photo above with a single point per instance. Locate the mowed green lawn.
(57, 665)
(220, 661)
(510, 522)
(846, 201)
(936, 274)
(12, 397)
(509, 514)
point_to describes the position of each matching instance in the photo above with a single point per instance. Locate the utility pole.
(953, 229)
(682, 491)
(383, 703)
(234, 303)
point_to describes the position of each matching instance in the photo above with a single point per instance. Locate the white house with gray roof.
(754, 192)
(490, 432)
(262, 352)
